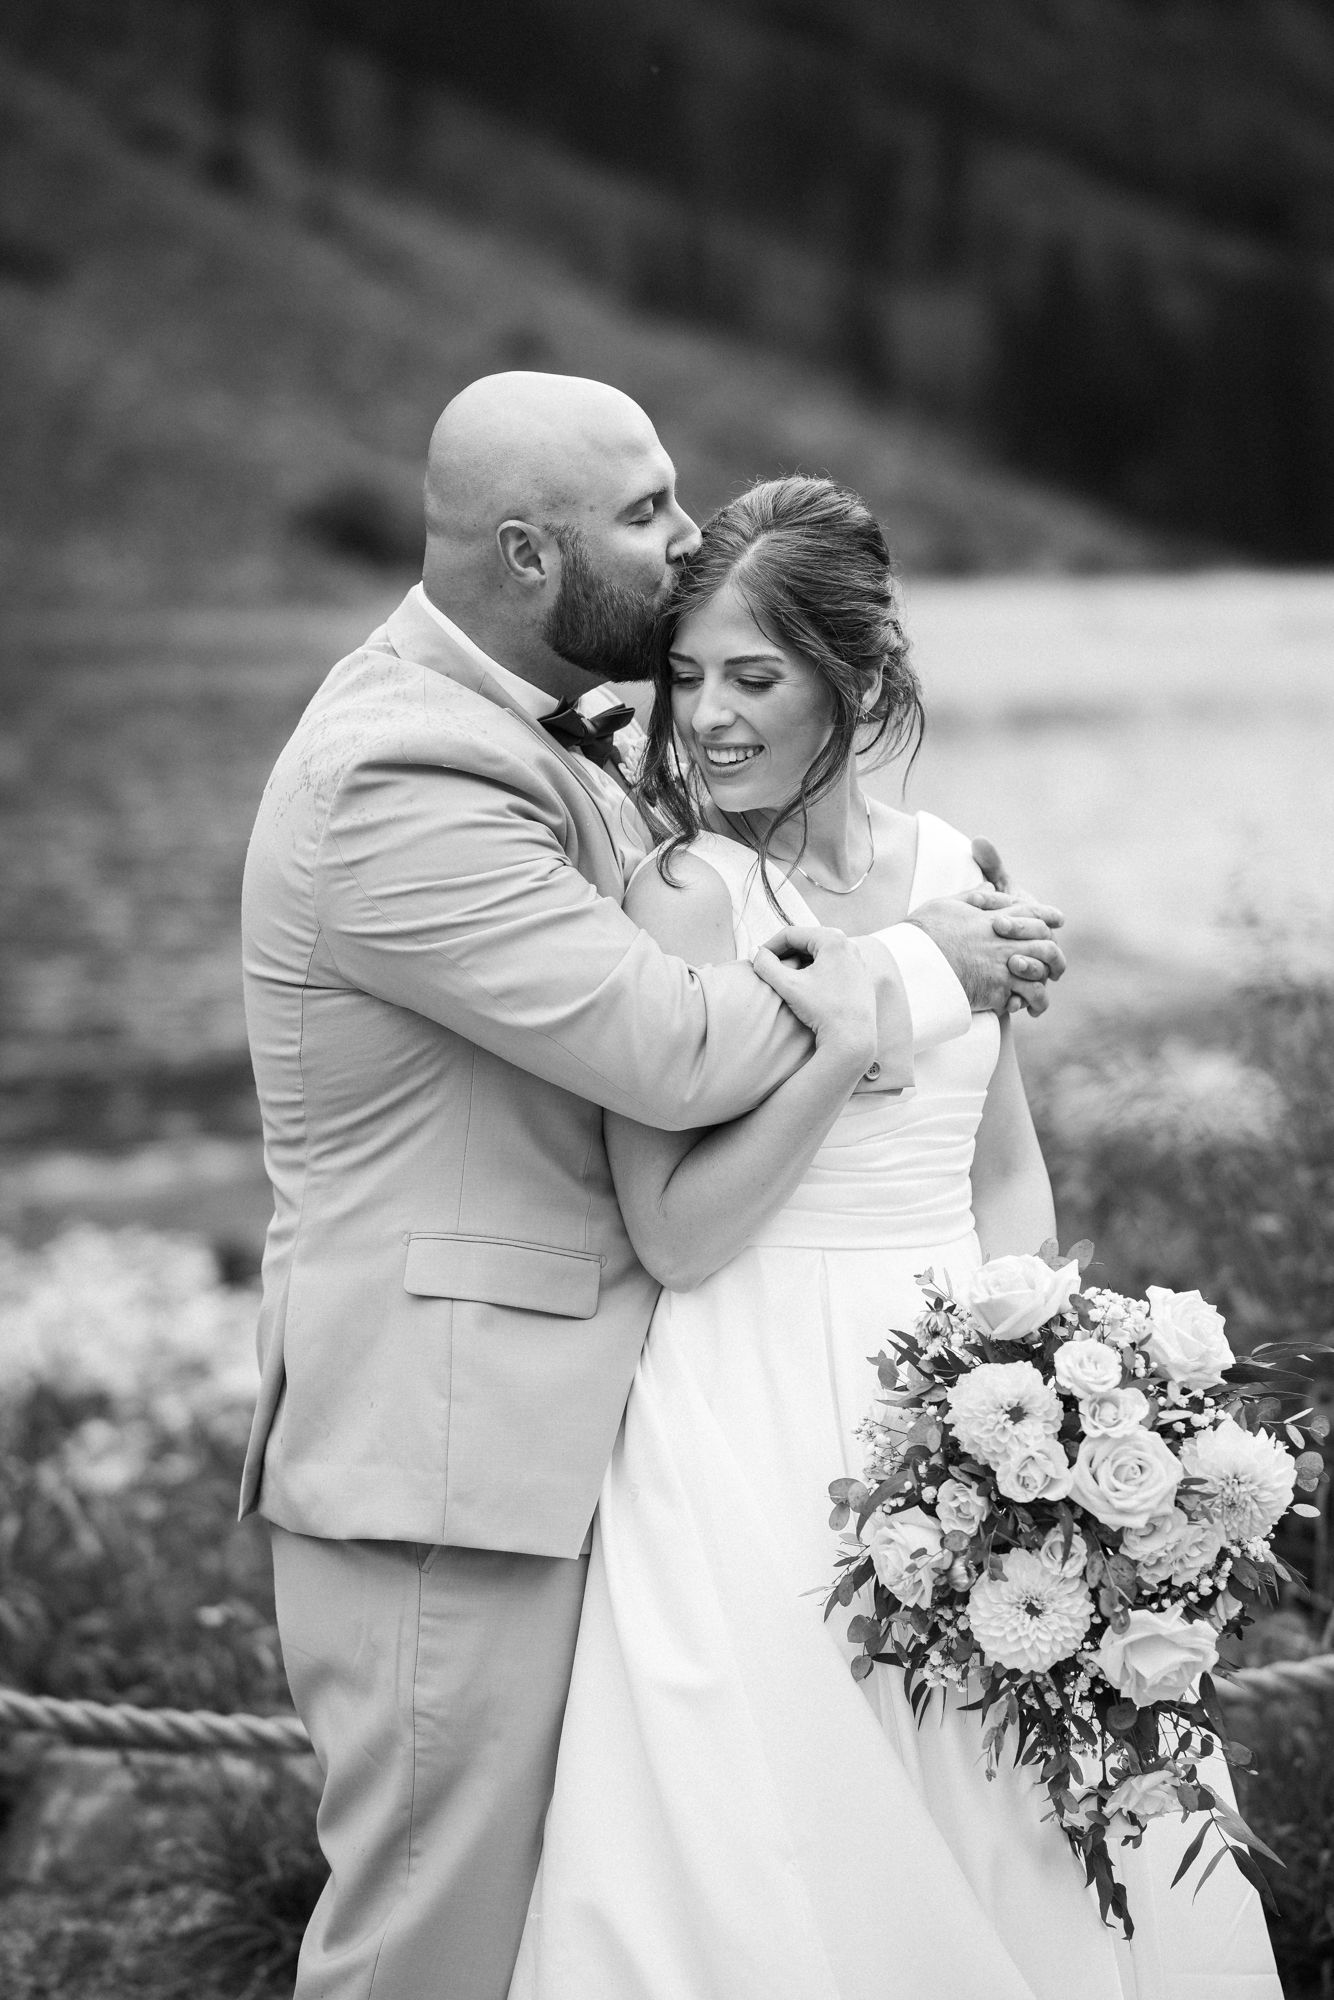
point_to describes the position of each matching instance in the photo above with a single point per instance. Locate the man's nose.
(686, 538)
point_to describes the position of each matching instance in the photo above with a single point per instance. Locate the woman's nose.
(713, 709)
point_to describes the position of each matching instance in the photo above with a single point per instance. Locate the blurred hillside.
(224, 337)
(1097, 234)
(1095, 238)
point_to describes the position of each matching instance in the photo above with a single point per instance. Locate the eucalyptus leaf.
(1191, 1854)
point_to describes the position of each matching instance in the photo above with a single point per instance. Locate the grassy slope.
(182, 372)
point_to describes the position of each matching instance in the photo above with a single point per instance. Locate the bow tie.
(592, 736)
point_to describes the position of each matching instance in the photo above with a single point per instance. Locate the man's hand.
(977, 933)
(989, 861)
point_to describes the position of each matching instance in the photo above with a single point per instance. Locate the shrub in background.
(126, 1378)
(1289, 1799)
(1209, 1162)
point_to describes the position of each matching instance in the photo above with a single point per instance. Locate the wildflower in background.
(134, 1317)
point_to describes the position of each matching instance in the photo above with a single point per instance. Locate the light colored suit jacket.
(442, 994)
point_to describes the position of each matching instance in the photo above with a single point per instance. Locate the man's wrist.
(939, 1007)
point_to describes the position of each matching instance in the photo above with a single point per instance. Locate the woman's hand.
(828, 987)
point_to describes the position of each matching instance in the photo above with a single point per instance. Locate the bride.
(735, 1818)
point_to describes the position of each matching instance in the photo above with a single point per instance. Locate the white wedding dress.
(735, 1818)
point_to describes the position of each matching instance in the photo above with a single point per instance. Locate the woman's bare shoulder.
(688, 911)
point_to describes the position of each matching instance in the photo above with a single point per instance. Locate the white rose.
(1147, 1794)
(1186, 1338)
(1012, 1297)
(1087, 1368)
(1037, 1470)
(1124, 1481)
(1224, 1609)
(961, 1507)
(1158, 1657)
(906, 1550)
(1052, 1552)
(1113, 1412)
(1144, 1543)
(1172, 1548)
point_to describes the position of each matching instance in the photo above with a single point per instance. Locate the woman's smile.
(728, 674)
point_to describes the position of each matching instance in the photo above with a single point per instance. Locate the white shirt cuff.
(936, 1001)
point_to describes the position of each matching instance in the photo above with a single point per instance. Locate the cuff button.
(872, 1073)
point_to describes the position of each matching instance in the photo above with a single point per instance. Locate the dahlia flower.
(1032, 1615)
(1000, 1404)
(1249, 1478)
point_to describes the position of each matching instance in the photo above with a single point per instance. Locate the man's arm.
(449, 892)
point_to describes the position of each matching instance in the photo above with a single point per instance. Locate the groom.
(442, 995)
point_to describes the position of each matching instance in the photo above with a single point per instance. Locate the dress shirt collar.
(535, 700)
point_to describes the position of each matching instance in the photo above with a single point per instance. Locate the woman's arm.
(691, 1200)
(1012, 1202)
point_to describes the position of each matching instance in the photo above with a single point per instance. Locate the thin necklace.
(828, 888)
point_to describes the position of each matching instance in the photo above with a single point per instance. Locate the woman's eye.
(755, 687)
(684, 681)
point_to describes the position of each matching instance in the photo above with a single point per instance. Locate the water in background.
(1152, 753)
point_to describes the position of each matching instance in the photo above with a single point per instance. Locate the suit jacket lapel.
(415, 635)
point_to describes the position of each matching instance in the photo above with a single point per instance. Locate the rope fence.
(119, 1726)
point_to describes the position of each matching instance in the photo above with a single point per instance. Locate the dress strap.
(945, 863)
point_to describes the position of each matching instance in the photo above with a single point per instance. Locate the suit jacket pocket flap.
(500, 1272)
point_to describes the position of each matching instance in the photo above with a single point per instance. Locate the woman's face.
(752, 714)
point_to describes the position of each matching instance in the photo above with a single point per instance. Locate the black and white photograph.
(666, 1000)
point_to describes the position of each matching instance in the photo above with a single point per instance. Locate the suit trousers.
(433, 1683)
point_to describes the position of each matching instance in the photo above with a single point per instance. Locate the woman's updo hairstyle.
(810, 560)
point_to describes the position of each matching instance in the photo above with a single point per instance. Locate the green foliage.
(216, 1916)
(1209, 1162)
(1289, 1799)
(125, 1379)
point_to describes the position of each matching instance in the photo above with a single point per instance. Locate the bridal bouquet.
(1069, 1498)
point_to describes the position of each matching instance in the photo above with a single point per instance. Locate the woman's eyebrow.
(732, 660)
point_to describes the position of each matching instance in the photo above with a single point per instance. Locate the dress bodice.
(895, 1170)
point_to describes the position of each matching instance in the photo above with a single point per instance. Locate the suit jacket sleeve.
(451, 891)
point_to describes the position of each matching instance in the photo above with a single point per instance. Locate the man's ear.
(525, 553)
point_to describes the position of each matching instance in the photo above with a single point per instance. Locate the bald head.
(521, 468)
(529, 447)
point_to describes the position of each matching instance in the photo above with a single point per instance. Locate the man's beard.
(598, 625)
